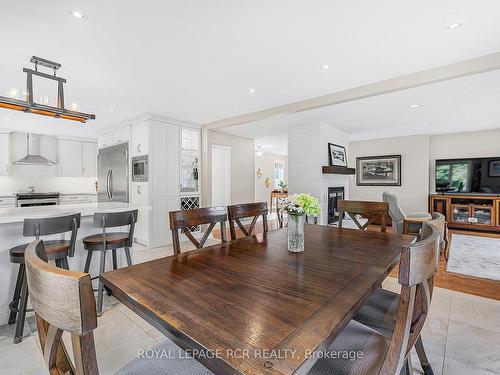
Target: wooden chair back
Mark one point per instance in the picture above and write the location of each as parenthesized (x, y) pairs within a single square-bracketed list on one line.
[(418, 265), (439, 221), (63, 301), (53, 225), (369, 210), (106, 220), (183, 220), (243, 211)]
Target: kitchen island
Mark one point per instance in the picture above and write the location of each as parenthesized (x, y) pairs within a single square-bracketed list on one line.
[(11, 234)]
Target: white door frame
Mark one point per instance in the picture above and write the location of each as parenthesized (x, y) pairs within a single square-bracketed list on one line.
[(228, 181)]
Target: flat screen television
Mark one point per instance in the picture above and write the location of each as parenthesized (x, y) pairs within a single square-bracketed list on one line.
[(478, 175)]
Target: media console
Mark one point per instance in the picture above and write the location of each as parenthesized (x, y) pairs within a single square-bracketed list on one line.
[(468, 211)]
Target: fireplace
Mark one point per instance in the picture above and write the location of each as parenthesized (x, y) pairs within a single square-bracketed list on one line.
[(334, 195)]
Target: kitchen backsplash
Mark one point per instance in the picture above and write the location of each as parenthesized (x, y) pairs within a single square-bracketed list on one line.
[(63, 185)]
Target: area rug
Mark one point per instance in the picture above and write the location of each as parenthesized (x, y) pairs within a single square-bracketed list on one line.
[(475, 256)]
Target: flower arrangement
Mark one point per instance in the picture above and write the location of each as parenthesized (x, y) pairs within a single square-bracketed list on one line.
[(300, 204)]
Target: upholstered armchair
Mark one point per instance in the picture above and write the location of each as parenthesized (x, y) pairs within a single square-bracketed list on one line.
[(398, 215)]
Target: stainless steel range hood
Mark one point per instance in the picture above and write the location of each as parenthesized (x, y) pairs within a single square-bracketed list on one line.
[(33, 152)]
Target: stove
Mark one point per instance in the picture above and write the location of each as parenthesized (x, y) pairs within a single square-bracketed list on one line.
[(37, 199)]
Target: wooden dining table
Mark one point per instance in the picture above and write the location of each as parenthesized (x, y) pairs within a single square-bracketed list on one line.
[(250, 306)]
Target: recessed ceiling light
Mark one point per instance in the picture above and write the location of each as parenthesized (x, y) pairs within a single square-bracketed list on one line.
[(111, 109), (77, 14), (425, 123), (7, 119), (325, 66), (414, 106), (453, 26), (252, 90)]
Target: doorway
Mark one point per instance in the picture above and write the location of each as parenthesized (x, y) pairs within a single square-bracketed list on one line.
[(221, 175)]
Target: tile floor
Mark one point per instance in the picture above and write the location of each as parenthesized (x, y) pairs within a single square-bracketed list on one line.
[(461, 336)]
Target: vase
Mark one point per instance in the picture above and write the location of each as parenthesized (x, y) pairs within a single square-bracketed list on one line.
[(296, 233)]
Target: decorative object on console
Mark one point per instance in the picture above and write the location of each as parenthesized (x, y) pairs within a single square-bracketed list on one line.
[(494, 168), (297, 206), (378, 170), (337, 155)]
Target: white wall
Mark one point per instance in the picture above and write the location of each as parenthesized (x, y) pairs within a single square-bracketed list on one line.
[(419, 154), (242, 167), (266, 164), (463, 145), (307, 153), (414, 151)]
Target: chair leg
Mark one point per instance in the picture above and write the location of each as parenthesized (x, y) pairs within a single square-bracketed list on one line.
[(127, 254), (422, 356), (64, 263), (17, 294), (87, 262), (18, 337), (113, 253), (102, 266)]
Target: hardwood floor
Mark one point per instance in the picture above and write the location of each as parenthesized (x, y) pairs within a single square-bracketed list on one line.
[(444, 279)]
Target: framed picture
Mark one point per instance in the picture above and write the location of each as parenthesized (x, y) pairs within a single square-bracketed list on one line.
[(494, 168), (378, 170), (337, 155)]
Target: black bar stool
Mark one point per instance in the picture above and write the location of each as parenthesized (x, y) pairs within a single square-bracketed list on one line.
[(57, 250), (109, 241)]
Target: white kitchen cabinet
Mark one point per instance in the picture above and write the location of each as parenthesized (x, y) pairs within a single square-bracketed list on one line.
[(139, 196), (139, 139), (18, 146), (189, 161), (7, 202), (89, 159), (77, 198), (70, 158), (48, 147), (115, 137), (4, 154)]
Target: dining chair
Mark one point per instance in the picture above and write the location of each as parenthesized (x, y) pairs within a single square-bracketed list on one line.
[(184, 220), (381, 308), (371, 211), (104, 241), (390, 355), (63, 301), (398, 215), (243, 211), (439, 221), (57, 250)]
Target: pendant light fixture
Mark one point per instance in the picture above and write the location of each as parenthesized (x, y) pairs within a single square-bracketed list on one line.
[(29, 104)]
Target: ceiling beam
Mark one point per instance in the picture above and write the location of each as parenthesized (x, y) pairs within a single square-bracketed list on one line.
[(443, 73)]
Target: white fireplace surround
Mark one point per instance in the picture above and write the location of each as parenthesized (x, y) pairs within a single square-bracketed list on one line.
[(307, 154)]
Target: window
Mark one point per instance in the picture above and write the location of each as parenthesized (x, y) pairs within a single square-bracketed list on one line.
[(279, 173)]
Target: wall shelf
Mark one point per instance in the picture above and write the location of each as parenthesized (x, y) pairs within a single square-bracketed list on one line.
[(335, 169)]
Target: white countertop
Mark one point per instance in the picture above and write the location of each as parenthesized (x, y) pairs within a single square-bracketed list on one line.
[(17, 214)]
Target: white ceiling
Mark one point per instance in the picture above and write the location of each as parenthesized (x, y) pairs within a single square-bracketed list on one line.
[(465, 104), (197, 60)]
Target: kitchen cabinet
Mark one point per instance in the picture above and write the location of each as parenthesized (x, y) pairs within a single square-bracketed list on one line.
[(139, 196), (189, 161), (70, 158), (4, 154), (77, 198), (48, 147), (89, 159), (115, 137), (7, 202), (139, 140)]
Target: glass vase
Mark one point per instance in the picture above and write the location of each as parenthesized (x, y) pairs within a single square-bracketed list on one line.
[(296, 233)]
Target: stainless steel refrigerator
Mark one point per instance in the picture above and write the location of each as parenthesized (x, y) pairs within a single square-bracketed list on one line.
[(113, 174)]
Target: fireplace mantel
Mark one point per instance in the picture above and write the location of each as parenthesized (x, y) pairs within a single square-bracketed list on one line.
[(335, 169)]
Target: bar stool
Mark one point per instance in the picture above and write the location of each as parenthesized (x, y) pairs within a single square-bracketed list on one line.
[(109, 241), (57, 250)]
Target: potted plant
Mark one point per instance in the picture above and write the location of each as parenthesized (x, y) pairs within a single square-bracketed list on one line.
[(281, 186), (297, 206)]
